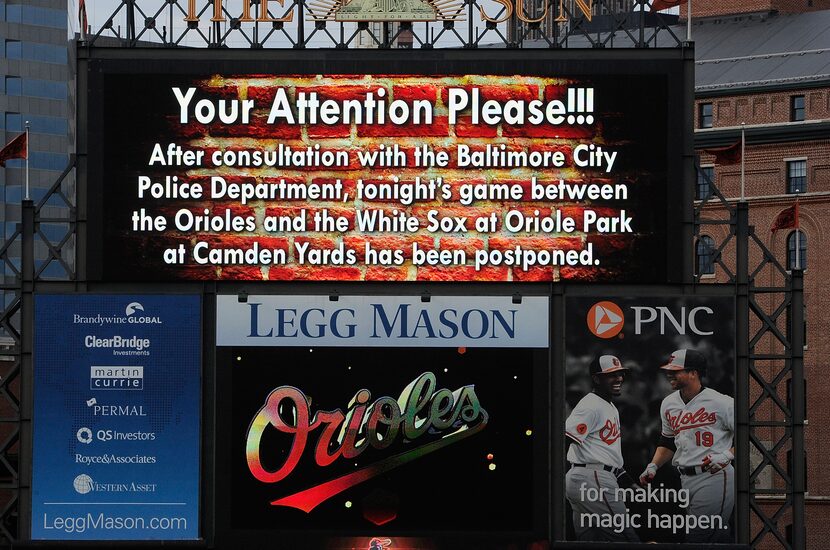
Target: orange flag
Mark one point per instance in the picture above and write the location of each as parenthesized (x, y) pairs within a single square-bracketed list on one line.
[(731, 154), (15, 149), (660, 5), (786, 219)]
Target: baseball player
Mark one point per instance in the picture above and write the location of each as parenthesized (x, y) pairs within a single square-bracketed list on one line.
[(596, 472), (697, 436)]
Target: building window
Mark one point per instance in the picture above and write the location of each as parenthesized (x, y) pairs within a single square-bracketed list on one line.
[(14, 85), (14, 122), (797, 176), (797, 250), (705, 180), (705, 115), (705, 256), (29, 51), (797, 108), (33, 15)]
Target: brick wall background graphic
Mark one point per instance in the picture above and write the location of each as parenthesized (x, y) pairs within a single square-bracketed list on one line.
[(640, 166)]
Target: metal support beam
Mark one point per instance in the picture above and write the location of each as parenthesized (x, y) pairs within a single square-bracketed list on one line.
[(27, 326), (741, 222), (797, 409)]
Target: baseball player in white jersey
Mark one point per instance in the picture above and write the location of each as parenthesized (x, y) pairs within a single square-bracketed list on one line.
[(697, 436), (596, 463)]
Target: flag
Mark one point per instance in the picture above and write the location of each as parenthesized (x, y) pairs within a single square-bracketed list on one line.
[(786, 219), (731, 154), (82, 21), (15, 149), (660, 5)]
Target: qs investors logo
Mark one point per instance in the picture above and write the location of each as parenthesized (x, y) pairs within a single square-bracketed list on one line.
[(424, 416), (605, 319), (84, 435)]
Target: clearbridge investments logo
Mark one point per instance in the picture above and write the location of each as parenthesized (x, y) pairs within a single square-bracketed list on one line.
[(133, 315)]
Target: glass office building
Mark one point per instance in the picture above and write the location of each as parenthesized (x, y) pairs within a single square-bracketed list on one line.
[(36, 86)]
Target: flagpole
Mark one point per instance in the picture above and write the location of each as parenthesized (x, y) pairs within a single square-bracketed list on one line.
[(743, 146), (797, 238), (27, 160), (689, 22)]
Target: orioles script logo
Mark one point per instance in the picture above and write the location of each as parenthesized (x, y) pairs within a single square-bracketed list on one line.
[(420, 409), (610, 432), (685, 420)]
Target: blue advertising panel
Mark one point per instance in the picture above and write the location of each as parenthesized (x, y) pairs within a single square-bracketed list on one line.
[(117, 392)]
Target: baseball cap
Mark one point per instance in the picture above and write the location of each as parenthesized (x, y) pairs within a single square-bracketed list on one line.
[(605, 364), (686, 359)]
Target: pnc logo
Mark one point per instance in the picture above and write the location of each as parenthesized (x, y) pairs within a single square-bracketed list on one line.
[(605, 319), (132, 307)]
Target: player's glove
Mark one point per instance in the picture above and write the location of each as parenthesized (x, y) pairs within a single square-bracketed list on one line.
[(625, 480), (716, 462), (648, 474)]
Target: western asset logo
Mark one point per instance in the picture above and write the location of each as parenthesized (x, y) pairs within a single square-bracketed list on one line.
[(116, 378), (84, 484), (133, 315), (606, 319)]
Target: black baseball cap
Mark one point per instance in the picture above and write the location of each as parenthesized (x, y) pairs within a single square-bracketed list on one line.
[(686, 359), (606, 364)]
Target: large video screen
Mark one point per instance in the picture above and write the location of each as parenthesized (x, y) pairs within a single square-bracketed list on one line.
[(117, 417), (650, 419), (384, 440), (462, 169)]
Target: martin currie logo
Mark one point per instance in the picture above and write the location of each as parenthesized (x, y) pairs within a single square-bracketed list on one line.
[(133, 315), (428, 418)]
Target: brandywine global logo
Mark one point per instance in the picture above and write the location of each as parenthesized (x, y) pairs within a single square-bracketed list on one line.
[(461, 416), (131, 317)]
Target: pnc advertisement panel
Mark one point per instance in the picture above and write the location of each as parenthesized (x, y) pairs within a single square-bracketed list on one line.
[(385, 440), (650, 419), (117, 395), (470, 171)]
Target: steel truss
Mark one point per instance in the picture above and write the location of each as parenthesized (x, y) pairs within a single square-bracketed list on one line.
[(544, 23), (770, 394)]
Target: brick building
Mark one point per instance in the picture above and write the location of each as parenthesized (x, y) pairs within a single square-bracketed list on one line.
[(766, 71)]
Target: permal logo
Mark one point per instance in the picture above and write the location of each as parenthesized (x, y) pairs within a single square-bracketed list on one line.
[(116, 378), (605, 319)]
